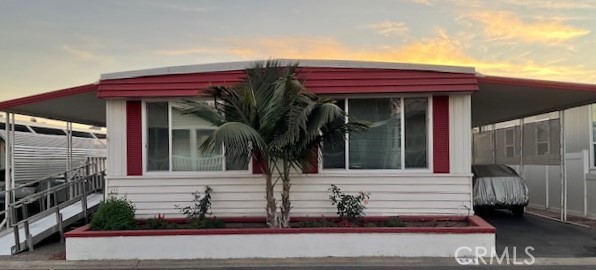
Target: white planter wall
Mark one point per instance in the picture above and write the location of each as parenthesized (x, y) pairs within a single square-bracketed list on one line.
[(274, 245)]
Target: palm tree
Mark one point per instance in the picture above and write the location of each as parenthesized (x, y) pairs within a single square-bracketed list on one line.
[(273, 119)]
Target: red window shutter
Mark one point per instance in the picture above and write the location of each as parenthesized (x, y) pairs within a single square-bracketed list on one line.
[(313, 161), (441, 134), (256, 164), (134, 135)]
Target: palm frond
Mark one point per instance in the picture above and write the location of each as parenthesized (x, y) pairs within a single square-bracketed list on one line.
[(239, 140), (202, 110)]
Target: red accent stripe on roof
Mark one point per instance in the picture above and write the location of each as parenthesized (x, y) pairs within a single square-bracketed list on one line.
[(134, 137), (47, 96), (441, 134), (318, 80)]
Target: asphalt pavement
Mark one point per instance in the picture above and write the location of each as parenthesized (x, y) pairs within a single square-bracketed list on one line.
[(549, 238)]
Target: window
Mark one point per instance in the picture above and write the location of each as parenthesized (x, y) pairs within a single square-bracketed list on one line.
[(509, 143), (397, 124), (542, 137), (168, 126)]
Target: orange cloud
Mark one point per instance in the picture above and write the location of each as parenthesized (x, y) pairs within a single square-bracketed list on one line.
[(506, 25), (441, 49)]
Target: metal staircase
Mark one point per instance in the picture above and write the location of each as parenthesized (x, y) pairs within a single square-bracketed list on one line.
[(60, 200)]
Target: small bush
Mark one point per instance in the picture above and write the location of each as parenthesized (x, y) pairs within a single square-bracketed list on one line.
[(395, 222), (349, 207), (200, 208), (159, 222), (114, 214)]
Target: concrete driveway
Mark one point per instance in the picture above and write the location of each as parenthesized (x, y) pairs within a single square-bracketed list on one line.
[(549, 238)]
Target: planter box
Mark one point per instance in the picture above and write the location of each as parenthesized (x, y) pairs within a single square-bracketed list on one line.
[(84, 244)]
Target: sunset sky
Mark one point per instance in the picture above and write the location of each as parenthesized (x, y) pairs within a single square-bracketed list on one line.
[(49, 45)]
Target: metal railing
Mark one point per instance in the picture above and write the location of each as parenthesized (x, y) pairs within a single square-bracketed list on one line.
[(73, 186)]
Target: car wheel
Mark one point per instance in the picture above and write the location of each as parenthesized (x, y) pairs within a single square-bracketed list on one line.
[(518, 211)]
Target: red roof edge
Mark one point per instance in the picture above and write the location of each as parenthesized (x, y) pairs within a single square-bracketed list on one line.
[(537, 83), (8, 104)]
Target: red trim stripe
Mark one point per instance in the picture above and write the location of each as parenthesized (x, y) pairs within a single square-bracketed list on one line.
[(134, 150), (441, 134), (47, 96)]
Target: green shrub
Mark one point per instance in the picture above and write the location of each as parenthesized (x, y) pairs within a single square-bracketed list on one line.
[(395, 222), (200, 208), (114, 214), (350, 207), (159, 222)]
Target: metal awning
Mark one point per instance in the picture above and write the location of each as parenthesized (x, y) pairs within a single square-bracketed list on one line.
[(502, 98), (78, 105)]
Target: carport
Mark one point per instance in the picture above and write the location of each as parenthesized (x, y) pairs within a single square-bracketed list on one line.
[(533, 125), (72, 105), (499, 100)]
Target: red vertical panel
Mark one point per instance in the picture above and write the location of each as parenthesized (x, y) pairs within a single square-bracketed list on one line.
[(313, 161), (257, 163), (441, 134), (134, 135)]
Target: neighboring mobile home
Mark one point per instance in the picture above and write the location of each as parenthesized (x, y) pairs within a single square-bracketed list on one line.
[(417, 163)]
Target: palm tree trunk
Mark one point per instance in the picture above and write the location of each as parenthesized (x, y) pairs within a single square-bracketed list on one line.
[(272, 217), (285, 197)]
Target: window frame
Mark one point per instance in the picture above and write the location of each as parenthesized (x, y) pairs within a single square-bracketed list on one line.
[(512, 145), (403, 169), (547, 138), (170, 171)]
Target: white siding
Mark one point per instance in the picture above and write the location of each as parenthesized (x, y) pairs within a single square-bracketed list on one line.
[(577, 129), (116, 133), (460, 133), (243, 195)]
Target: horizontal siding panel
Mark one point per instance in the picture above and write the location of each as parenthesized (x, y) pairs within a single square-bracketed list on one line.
[(244, 196), (310, 188), (259, 180), (296, 196)]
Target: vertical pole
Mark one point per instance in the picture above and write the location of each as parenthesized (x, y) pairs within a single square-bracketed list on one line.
[(59, 223), (563, 210), (28, 237), (7, 158), (68, 158), (522, 171), (494, 141), (17, 240), (12, 140)]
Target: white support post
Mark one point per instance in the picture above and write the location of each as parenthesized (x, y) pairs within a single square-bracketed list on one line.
[(67, 175), (563, 216), (7, 163), (12, 140), (494, 142), (521, 146)]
